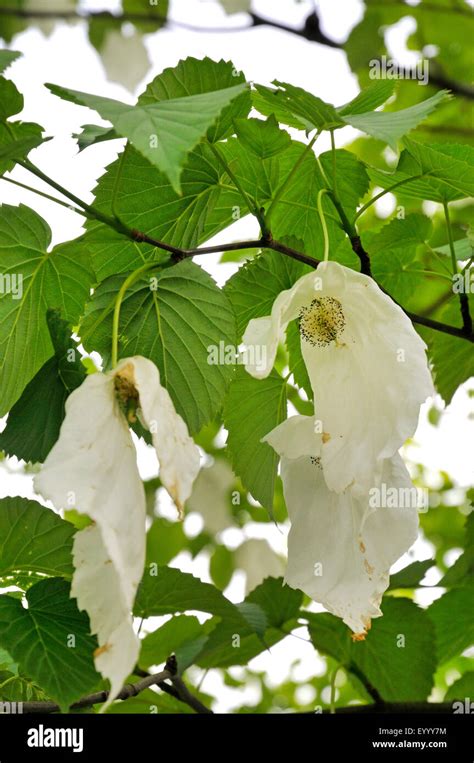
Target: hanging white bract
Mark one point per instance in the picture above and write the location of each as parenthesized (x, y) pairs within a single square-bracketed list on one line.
[(93, 469), (366, 363), (341, 546)]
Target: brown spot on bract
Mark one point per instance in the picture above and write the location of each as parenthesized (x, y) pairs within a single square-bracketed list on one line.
[(361, 545), (173, 492), (359, 636), (102, 649), (368, 568), (325, 437)]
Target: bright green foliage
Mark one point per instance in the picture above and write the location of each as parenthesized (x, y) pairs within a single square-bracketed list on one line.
[(253, 408), (175, 317), (397, 660), (52, 617), (35, 419), (453, 634), (48, 551), (164, 130), (16, 138), (411, 576), (56, 279), (453, 360), (193, 159)]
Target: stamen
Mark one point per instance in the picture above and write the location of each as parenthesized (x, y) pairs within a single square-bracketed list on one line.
[(322, 322), (127, 395)]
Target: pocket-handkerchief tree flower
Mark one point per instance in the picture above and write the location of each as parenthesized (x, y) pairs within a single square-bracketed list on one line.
[(93, 469), (366, 364), (341, 546), (297, 384)]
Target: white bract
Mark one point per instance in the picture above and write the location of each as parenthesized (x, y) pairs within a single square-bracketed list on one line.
[(93, 469), (366, 363), (341, 546)]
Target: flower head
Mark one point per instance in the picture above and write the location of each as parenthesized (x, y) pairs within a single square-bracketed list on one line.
[(93, 469), (366, 363), (340, 546)]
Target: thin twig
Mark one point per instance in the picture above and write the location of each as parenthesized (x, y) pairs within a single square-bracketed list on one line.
[(310, 31), (185, 696), (129, 690), (178, 689)]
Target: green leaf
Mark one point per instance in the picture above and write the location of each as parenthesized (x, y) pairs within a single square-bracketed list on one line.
[(442, 172), (463, 249), (164, 541), (164, 131), (295, 359), (262, 138), (173, 319), (171, 591), (462, 571), (7, 663), (7, 57), (92, 134), (16, 141), (35, 420), (296, 213), (228, 645), (410, 576), (11, 99), (149, 701), (18, 689), (462, 688), (330, 636), (453, 618), (397, 656), (167, 640), (254, 615), (351, 178), (295, 107), (39, 279), (406, 234), (279, 602), (39, 637), (254, 288), (16, 138), (393, 250), (195, 76), (452, 358), (450, 164), (390, 126), (156, 13), (252, 409), (279, 605), (145, 200), (221, 566), (33, 539), (369, 98)]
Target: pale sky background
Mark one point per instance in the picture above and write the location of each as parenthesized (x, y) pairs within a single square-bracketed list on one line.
[(66, 58)]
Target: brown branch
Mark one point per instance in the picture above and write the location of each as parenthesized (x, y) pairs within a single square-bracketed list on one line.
[(119, 18), (129, 690), (439, 79), (185, 696), (362, 255), (179, 690), (267, 243), (311, 30)]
